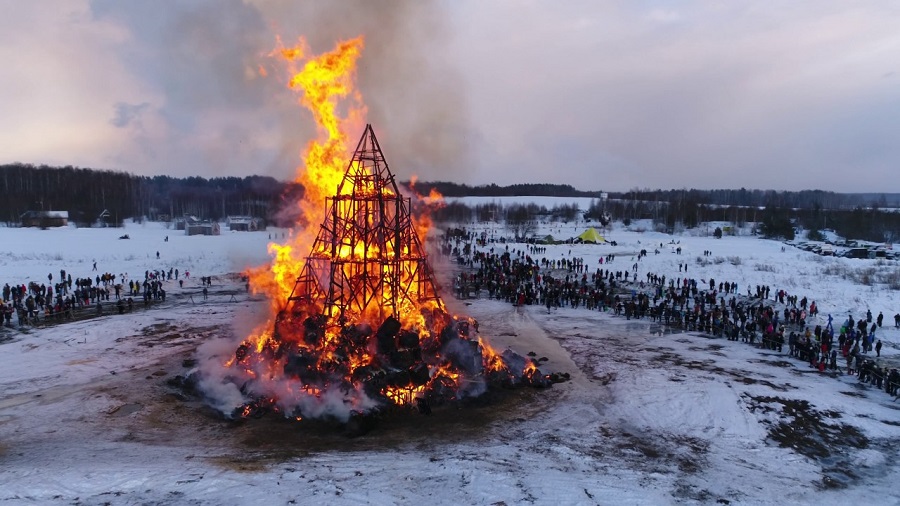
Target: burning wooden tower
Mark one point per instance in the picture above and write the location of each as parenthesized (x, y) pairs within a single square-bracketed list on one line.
[(367, 262), (364, 326)]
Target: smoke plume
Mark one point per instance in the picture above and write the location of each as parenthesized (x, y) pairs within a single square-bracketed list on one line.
[(217, 113)]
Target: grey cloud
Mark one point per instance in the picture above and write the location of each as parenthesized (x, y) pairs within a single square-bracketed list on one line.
[(731, 95), (125, 114)]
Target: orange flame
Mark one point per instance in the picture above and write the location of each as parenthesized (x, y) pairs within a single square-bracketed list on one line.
[(322, 83)]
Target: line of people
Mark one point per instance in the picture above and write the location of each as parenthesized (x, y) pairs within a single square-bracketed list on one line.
[(60, 300), (515, 277)]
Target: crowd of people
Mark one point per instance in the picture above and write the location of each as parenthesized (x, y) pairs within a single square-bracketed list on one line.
[(772, 319), (60, 299)]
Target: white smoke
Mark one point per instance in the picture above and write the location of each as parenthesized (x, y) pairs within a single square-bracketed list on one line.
[(215, 380)]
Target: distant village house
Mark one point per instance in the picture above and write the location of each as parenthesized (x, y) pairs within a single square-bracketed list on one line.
[(245, 223), (193, 225), (45, 219), (202, 228)]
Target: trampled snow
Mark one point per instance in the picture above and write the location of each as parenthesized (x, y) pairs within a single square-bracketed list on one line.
[(651, 415)]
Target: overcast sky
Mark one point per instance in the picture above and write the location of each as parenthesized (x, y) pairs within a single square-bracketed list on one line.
[(608, 95)]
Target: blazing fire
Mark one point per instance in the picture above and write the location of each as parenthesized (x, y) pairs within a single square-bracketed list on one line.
[(358, 324)]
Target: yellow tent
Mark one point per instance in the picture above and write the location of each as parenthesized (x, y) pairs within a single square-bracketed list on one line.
[(591, 236)]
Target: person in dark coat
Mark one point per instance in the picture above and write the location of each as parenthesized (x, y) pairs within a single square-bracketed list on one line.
[(878, 348)]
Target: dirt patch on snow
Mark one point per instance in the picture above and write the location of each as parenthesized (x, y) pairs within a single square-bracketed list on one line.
[(815, 434), (666, 358)]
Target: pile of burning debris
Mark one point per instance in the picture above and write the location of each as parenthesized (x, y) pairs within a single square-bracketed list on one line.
[(323, 356), (388, 367)]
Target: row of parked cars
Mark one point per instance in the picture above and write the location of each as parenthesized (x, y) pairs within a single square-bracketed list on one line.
[(848, 249)]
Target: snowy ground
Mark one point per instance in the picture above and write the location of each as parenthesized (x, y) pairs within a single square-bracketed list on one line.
[(88, 414)]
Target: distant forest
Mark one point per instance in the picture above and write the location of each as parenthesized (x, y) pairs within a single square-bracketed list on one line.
[(742, 197), (87, 193), (865, 216), (91, 196), (492, 190)]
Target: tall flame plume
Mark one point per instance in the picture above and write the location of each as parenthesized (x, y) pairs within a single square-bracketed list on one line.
[(324, 85)]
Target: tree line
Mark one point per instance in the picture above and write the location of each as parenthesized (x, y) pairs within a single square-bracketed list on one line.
[(449, 189), (804, 199), (864, 223), (93, 196)]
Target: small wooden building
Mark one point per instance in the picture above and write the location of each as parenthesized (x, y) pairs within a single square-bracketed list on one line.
[(202, 228), (185, 221), (245, 223), (45, 219)]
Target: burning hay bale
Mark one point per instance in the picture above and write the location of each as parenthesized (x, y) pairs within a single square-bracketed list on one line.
[(364, 328)]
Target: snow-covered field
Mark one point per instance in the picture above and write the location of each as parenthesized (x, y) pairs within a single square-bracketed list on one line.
[(88, 414)]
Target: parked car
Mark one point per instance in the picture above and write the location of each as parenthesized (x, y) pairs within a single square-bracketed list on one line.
[(856, 253)]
